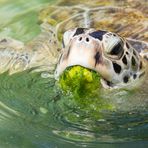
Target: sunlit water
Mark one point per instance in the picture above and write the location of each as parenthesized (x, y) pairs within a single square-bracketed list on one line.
[(34, 112), (19, 19)]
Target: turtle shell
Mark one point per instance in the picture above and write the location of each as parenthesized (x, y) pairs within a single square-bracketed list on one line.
[(128, 18)]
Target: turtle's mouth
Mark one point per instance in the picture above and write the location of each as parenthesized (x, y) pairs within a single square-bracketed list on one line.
[(103, 81), (106, 84), (79, 79)]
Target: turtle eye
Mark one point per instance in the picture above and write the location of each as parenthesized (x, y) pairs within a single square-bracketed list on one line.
[(113, 45), (117, 49)]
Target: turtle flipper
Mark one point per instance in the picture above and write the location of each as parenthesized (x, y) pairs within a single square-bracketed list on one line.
[(44, 49), (12, 58), (41, 53)]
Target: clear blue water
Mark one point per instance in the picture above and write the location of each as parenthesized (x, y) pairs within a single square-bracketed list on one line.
[(34, 113)]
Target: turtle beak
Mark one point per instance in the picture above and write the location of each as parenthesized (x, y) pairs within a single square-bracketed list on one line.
[(82, 50)]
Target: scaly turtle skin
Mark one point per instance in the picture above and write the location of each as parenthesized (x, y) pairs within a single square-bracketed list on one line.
[(105, 52), (128, 19)]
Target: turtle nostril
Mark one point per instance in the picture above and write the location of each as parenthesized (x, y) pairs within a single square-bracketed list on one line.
[(87, 39), (80, 38)]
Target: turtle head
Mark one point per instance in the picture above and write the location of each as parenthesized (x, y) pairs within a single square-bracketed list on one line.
[(107, 53)]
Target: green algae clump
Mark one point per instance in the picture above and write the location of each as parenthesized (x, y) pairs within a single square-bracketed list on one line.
[(79, 80), (83, 90)]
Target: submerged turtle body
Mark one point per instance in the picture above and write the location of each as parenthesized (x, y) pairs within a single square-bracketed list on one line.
[(41, 53), (128, 19)]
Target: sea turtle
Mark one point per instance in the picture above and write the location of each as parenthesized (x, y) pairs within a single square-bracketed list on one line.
[(118, 63), (121, 57)]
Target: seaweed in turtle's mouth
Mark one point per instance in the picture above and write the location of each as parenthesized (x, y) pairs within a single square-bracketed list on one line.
[(79, 80), (108, 83)]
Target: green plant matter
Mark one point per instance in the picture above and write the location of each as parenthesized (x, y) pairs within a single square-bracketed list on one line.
[(79, 80)]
